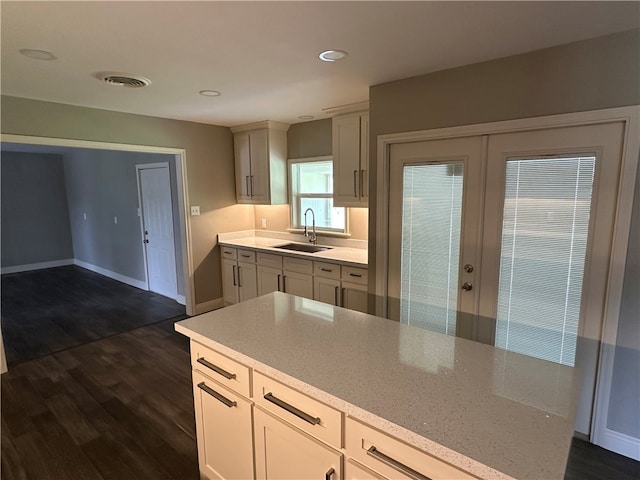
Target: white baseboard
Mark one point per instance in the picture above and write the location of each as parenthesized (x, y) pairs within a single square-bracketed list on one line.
[(209, 306), (115, 276), (620, 443), (181, 299), (37, 266)]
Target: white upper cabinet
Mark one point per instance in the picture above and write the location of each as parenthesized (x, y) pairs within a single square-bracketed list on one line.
[(261, 163), (351, 160)]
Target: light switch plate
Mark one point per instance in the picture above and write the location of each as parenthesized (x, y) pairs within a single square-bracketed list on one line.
[(264, 222), (195, 210)]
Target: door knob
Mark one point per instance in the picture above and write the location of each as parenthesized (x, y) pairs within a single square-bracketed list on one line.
[(468, 268), (466, 286)]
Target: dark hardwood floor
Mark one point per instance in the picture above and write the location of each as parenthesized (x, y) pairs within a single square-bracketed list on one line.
[(118, 408), (46, 311)]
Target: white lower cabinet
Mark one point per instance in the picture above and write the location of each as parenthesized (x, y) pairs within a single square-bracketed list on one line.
[(224, 430), (327, 290), (284, 452), (295, 283), (393, 459), (239, 277), (355, 297)]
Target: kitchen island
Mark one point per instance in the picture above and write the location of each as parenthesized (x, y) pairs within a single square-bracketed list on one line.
[(488, 412)]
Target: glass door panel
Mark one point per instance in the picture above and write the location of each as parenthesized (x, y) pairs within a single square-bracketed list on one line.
[(544, 239), (431, 223)]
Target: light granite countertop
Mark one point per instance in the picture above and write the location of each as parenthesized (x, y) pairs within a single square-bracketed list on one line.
[(339, 253), (493, 413)]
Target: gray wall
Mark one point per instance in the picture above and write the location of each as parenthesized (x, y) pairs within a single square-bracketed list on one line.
[(588, 75), (103, 185), (309, 139), (35, 219), (210, 167)]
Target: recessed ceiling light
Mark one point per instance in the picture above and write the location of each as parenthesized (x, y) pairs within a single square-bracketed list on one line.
[(37, 54), (306, 117), (332, 55), (210, 93)]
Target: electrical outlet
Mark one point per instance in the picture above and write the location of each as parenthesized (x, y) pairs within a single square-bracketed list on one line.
[(195, 210), (264, 222)]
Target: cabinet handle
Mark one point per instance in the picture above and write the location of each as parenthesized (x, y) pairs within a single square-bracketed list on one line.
[(391, 462), (291, 409), (229, 403), (284, 283), (234, 276), (215, 368), (279, 282), (362, 194), (227, 253), (251, 183), (336, 297), (359, 275), (344, 289), (244, 255), (329, 474), (355, 183), (239, 284), (326, 269), (246, 181)]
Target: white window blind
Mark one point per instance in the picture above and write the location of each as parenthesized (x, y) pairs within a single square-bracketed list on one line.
[(544, 241), (431, 223)]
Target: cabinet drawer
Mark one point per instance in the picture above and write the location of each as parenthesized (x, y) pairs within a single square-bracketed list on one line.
[(269, 260), (326, 270), (393, 458), (355, 275), (309, 415), (228, 252), (222, 369), (247, 256), (299, 265)]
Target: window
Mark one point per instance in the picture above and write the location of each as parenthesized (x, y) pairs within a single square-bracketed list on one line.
[(311, 186)]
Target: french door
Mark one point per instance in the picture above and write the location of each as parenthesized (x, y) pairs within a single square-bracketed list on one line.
[(506, 239)]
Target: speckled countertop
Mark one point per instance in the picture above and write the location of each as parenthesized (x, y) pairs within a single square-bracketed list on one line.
[(345, 255), (493, 413)]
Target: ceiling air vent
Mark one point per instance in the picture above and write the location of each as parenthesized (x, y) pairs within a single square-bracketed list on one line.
[(124, 80)]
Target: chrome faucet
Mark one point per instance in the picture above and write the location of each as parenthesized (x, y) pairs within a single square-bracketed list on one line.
[(314, 237)]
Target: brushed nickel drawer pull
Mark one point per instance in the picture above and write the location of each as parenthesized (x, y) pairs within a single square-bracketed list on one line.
[(329, 474), (291, 409), (279, 282), (326, 269), (362, 194), (234, 276), (335, 295), (215, 368), (245, 255), (359, 275), (390, 462), (221, 398)]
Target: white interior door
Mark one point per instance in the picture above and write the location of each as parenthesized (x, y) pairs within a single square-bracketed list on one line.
[(157, 223), (435, 207)]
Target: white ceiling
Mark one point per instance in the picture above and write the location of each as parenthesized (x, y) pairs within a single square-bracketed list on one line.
[(263, 56)]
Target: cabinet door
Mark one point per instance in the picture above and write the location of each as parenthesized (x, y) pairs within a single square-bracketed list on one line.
[(269, 280), (284, 452), (355, 471), (364, 159), (223, 427), (346, 161), (229, 281), (327, 290), (300, 284), (355, 297), (259, 177), (247, 281), (243, 167)]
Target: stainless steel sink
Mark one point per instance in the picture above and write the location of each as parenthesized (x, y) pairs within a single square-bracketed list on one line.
[(301, 247)]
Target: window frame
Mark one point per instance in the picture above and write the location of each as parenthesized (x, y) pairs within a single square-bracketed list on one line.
[(295, 203)]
